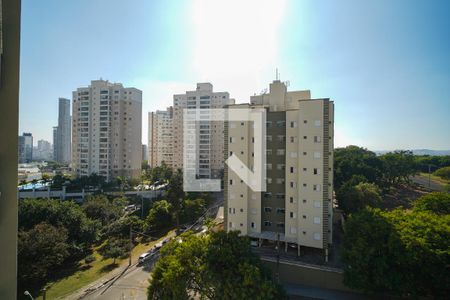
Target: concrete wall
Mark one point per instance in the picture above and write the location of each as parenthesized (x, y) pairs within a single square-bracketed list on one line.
[(326, 278), (9, 117)]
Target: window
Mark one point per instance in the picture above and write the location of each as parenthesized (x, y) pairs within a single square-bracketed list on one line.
[(232, 125), (280, 180), (317, 155), (267, 195), (292, 215), (241, 210), (316, 139), (293, 154), (280, 152), (268, 138), (280, 210), (231, 153), (267, 209), (316, 171), (253, 211), (281, 124), (231, 181), (280, 195), (267, 223), (304, 200), (269, 152), (293, 230), (280, 224), (293, 170), (317, 123), (293, 124), (317, 204), (269, 166), (293, 139), (269, 180), (231, 139), (304, 216), (305, 153), (253, 225), (293, 184), (291, 200), (305, 137), (316, 187), (305, 169), (317, 236), (316, 220), (280, 166), (268, 124), (281, 138)]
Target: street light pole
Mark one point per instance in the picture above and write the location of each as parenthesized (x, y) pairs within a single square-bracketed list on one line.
[(429, 176), (131, 246)]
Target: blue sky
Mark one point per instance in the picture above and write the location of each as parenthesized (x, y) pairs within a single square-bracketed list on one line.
[(386, 64)]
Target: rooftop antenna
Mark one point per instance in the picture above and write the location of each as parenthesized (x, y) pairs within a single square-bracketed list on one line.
[(276, 74)]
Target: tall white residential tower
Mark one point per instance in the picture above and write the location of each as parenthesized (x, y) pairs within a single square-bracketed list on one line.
[(107, 121), (296, 208)]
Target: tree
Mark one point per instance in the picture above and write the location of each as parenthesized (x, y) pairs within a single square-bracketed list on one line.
[(115, 248), (175, 194), (398, 166), (399, 252), (40, 250), (439, 203), (101, 209), (353, 160), (192, 209), (352, 198), (159, 217), (81, 230), (444, 173), (216, 266)]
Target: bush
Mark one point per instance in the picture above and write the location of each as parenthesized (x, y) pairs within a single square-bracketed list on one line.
[(89, 259), (444, 173)]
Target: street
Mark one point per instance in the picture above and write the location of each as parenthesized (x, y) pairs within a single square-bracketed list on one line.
[(432, 185), (132, 284)]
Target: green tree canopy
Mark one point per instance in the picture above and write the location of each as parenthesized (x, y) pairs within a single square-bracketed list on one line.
[(444, 173), (160, 216), (115, 248), (82, 231), (352, 198), (436, 202), (216, 266), (100, 208), (40, 250), (398, 252)]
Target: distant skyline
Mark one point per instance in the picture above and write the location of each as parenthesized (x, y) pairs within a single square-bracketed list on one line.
[(386, 64)]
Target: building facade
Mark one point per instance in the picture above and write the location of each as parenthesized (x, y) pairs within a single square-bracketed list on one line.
[(25, 148), (62, 136), (210, 134), (106, 126), (43, 151), (296, 207), (160, 138)]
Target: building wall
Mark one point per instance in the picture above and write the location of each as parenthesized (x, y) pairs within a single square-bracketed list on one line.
[(202, 98), (63, 132), (298, 201), (9, 120), (25, 148), (107, 130), (160, 137)]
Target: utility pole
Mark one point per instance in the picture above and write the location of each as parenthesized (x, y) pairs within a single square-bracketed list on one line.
[(131, 246), (44, 292), (429, 176), (278, 258)]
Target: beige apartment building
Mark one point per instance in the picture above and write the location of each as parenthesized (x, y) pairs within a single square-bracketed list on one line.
[(160, 137), (106, 130), (296, 207), (209, 143)]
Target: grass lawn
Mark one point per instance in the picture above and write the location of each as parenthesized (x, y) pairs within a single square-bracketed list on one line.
[(83, 275)]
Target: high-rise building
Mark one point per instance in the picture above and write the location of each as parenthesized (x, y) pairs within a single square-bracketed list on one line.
[(43, 151), (25, 148), (106, 126), (160, 137), (296, 207), (209, 144), (62, 138), (144, 152)]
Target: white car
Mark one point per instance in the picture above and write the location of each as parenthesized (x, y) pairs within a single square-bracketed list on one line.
[(145, 256)]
